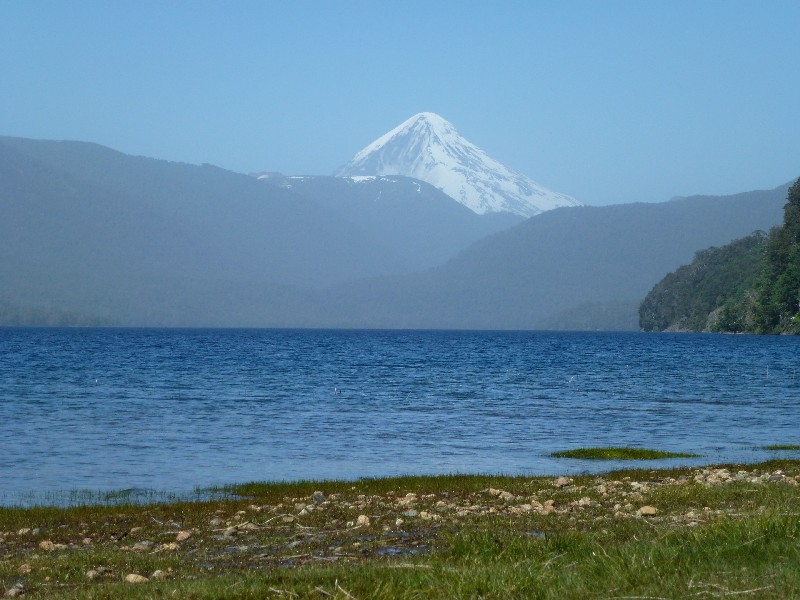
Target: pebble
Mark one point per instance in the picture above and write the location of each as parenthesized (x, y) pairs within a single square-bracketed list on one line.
[(143, 546), (95, 573), (562, 482), (363, 520), (317, 497), (647, 511), (183, 536), (136, 578), (47, 546), (24, 569), (15, 591), (158, 574)]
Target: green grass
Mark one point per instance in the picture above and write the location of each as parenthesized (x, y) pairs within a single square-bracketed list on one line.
[(782, 447), (717, 532), (619, 454)]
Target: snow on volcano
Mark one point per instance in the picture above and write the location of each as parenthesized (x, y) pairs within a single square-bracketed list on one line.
[(429, 148)]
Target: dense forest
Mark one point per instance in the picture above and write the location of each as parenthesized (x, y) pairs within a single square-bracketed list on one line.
[(751, 285)]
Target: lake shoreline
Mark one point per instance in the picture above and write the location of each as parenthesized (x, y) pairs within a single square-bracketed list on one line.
[(661, 533)]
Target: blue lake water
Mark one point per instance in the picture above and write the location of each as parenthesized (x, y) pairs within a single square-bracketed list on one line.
[(106, 409)]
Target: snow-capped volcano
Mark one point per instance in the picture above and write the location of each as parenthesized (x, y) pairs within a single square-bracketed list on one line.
[(429, 148)]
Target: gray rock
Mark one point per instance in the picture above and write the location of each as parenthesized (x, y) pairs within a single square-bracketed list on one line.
[(15, 591), (317, 497), (98, 572), (143, 546)]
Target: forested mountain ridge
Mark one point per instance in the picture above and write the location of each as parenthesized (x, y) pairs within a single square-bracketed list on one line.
[(91, 235), (751, 285), (596, 260)]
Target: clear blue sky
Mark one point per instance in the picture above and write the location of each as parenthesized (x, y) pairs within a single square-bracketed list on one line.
[(609, 101)]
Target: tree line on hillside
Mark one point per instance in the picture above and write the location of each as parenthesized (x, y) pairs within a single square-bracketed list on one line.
[(751, 285), (33, 316)]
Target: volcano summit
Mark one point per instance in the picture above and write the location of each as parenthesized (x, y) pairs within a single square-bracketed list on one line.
[(429, 148)]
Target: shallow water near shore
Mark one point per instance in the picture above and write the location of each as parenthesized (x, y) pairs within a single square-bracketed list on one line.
[(170, 410)]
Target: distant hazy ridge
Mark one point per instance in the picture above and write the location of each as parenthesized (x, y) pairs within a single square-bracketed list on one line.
[(100, 236)]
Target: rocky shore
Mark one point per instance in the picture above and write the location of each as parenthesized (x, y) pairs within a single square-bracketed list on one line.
[(46, 550)]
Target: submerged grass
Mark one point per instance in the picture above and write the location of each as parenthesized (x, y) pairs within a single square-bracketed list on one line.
[(692, 532), (620, 453), (782, 447)]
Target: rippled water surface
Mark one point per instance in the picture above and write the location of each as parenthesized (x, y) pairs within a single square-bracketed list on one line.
[(174, 409)]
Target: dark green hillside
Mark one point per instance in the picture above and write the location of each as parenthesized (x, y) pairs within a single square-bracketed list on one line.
[(686, 298), (777, 309), (751, 285)]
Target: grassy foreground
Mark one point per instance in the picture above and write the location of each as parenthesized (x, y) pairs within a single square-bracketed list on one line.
[(692, 533)]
